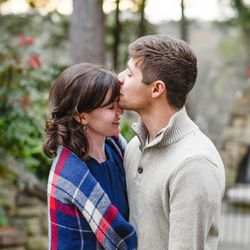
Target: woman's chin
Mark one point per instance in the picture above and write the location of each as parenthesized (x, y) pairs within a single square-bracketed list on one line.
[(115, 131)]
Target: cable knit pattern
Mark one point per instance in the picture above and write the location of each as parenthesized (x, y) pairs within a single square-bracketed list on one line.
[(179, 126)]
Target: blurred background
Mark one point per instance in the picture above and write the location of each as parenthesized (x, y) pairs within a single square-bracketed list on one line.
[(39, 38)]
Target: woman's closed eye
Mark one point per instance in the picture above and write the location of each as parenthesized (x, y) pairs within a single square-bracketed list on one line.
[(111, 106)]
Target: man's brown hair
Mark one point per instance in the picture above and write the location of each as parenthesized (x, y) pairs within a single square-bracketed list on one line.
[(170, 60)]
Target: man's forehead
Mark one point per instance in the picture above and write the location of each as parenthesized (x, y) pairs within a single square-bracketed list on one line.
[(133, 63)]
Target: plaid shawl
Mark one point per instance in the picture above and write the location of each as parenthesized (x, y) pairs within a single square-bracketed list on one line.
[(71, 186)]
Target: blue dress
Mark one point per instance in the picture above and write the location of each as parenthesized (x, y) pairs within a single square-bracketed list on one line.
[(111, 176)]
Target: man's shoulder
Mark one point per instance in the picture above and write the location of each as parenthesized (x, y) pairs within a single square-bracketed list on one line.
[(197, 144), (201, 172), (198, 154)]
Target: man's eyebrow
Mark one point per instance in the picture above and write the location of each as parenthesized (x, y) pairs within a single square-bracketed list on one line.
[(138, 61), (136, 64), (129, 68)]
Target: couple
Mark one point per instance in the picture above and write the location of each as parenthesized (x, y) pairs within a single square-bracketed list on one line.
[(174, 175)]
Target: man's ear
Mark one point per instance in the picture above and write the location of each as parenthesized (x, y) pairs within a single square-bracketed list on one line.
[(81, 118), (158, 88)]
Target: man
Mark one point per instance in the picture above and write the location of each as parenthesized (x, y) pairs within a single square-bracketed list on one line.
[(175, 176)]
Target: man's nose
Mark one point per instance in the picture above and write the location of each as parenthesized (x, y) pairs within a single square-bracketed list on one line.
[(121, 78), (119, 110)]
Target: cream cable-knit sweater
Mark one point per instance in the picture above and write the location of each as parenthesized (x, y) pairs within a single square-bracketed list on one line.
[(175, 187)]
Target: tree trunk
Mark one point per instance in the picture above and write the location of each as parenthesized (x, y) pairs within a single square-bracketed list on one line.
[(87, 32), (117, 35), (142, 18), (184, 35)]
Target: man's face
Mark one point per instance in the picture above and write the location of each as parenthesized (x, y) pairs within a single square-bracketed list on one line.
[(135, 95)]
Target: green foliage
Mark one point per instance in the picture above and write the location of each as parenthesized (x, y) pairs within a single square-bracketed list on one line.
[(229, 47), (243, 14), (30, 45), (24, 84), (126, 130), (242, 17), (3, 218), (51, 31)]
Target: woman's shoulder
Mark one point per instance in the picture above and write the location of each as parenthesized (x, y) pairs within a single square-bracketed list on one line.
[(68, 165), (118, 142)]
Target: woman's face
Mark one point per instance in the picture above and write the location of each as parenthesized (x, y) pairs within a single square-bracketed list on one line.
[(104, 121)]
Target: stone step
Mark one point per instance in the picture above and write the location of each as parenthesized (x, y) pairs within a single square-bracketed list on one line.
[(10, 236)]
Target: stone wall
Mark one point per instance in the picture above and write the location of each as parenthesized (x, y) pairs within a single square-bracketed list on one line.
[(236, 137), (23, 198)]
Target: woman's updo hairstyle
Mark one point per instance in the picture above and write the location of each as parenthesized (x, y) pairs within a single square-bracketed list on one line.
[(80, 88)]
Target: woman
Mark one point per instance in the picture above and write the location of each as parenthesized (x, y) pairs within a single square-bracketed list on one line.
[(86, 186)]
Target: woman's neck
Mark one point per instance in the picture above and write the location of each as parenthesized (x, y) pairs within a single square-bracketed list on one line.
[(97, 147)]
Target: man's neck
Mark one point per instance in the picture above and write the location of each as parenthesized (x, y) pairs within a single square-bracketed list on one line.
[(156, 119)]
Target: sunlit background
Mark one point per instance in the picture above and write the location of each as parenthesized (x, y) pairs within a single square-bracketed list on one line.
[(156, 10), (40, 38)]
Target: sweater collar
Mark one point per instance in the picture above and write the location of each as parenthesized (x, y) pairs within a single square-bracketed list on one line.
[(179, 126)]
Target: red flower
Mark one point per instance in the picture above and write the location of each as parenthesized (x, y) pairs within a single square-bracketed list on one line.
[(34, 61), (25, 101), (23, 41), (248, 72)]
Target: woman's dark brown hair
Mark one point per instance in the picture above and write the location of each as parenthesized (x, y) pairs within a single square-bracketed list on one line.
[(80, 88)]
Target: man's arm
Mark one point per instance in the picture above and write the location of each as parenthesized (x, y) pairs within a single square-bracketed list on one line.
[(195, 196)]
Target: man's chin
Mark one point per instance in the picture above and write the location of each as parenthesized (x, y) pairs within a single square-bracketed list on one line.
[(123, 105)]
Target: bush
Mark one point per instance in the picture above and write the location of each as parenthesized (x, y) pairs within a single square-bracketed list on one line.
[(24, 84), (126, 129)]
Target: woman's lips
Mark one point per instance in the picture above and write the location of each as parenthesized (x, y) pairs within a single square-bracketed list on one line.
[(117, 122)]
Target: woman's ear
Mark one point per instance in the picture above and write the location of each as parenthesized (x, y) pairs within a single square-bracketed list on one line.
[(81, 118), (158, 88)]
